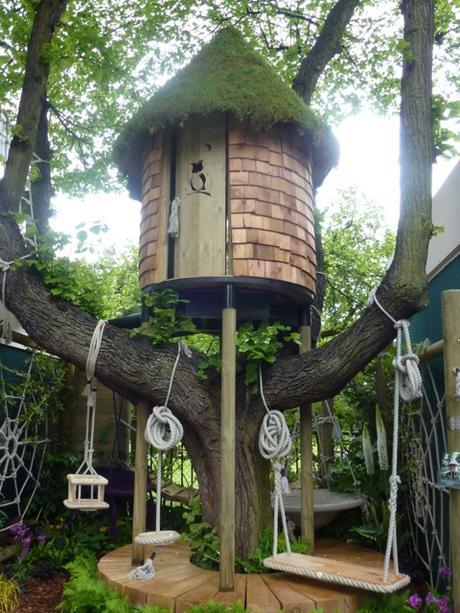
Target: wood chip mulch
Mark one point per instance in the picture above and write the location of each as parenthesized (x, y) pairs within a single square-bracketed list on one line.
[(42, 595)]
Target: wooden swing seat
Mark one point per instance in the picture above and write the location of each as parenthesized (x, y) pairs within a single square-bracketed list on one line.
[(157, 537), (337, 571), (94, 501)]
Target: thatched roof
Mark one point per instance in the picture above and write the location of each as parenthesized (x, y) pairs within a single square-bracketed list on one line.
[(227, 75)]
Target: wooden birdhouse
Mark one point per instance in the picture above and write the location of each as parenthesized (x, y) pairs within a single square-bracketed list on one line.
[(225, 159)]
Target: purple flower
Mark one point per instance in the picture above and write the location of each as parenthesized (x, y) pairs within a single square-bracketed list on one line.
[(444, 571), (42, 538), (443, 604), (430, 598), (414, 601), (19, 531)]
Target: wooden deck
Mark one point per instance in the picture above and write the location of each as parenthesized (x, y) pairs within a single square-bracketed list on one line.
[(178, 583)]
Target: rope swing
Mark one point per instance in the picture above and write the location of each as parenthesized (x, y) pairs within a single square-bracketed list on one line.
[(87, 488), (163, 431), (273, 445)]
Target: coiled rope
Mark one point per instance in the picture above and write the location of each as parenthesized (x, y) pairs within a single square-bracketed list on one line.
[(274, 445), (408, 387), (164, 431)]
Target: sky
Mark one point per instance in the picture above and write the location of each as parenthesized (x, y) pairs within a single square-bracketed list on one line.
[(368, 160)]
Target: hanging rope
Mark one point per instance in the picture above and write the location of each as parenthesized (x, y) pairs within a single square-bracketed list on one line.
[(274, 445), (164, 431), (173, 224), (408, 387), (86, 467), (457, 383)]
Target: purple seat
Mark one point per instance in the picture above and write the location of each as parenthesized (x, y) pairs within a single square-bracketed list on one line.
[(120, 488)]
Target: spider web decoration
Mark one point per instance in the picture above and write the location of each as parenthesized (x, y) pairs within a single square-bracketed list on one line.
[(428, 502), (23, 441)]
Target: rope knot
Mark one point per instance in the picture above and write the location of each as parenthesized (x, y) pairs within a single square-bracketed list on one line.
[(402, 324), (163, 430), (274, 437)]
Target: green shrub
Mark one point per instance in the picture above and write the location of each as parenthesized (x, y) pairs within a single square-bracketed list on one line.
[(9, 594)]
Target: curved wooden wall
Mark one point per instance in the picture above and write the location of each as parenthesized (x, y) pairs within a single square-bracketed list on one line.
[(271, 205), (153, 243)]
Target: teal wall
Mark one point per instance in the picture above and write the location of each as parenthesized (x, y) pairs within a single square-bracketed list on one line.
[(428, 323)]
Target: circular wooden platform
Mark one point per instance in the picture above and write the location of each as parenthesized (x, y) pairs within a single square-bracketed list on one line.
[(178, 583)]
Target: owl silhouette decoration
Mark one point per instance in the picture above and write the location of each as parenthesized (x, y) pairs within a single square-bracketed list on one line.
[(198, 178)]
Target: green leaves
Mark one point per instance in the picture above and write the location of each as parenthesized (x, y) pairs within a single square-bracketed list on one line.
[(165, 319), (357, 246)]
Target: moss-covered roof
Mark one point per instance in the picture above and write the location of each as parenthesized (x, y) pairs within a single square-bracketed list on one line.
[(227, 75)]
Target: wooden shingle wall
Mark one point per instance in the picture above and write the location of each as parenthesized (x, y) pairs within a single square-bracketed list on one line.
[(153, 235), (271, 205)]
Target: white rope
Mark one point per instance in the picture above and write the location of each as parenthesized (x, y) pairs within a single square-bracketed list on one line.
[(144, 572), (164, 431), (457, 383), (427, 500), (408, 387), (274, 445), (86, 467), (173, 225), (22, 448)]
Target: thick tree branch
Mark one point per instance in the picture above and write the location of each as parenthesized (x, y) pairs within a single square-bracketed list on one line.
[(313, 376), (41, 188), (37, 67), (327, 45), (403, 292)]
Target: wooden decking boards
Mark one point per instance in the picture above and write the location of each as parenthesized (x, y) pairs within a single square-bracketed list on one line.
[(179, 584)]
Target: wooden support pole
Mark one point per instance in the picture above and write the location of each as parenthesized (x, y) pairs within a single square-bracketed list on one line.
[(306, 456), (227, 446), (140, 481), (451, 334)]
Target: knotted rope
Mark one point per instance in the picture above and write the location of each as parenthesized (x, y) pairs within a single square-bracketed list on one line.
[(274, 445), (173, 224), (457, 383), (408, 387), (144, 572), (164, 431)]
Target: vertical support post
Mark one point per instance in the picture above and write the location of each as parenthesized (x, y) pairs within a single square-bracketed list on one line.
[(140, 481), (227, 444), (451, 334), (306, 448)]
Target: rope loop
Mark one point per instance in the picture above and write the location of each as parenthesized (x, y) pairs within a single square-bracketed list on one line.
[(274, 436), (163, 430)]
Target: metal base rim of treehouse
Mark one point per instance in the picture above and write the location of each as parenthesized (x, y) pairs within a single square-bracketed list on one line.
[(256, 299), (178, 583)]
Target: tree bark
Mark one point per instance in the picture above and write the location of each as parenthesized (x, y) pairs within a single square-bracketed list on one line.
[(41, 188), (37, 68), (327, 45)]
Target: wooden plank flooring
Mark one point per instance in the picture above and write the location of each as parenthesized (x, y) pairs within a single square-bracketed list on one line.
[(178, 584)]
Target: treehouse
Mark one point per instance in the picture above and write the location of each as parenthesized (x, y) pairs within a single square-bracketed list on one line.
[(225, 159)]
